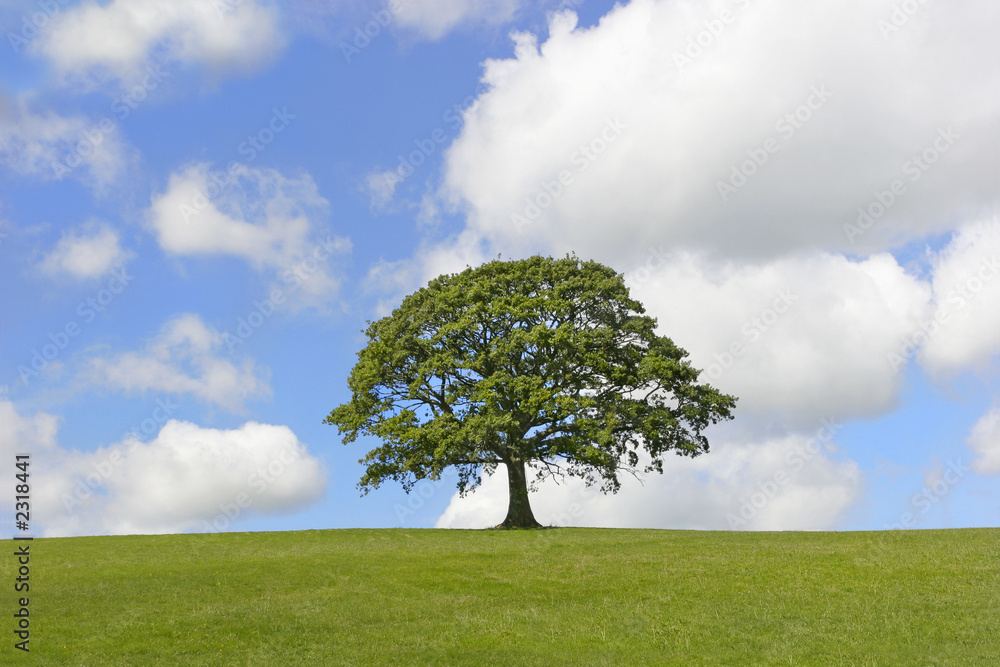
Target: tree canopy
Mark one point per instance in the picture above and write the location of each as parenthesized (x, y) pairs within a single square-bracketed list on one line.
[(541, 362)]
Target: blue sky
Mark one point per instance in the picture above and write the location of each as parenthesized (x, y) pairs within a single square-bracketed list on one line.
[(201, 206)]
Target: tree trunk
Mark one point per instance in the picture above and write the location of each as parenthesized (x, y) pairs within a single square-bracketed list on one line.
[(519, 509)]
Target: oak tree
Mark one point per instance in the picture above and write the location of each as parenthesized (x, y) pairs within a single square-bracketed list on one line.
[(545, 366)]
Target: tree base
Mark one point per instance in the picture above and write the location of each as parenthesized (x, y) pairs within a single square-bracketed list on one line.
[(510, 524)]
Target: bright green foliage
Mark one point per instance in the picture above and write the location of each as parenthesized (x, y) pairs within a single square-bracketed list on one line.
[(537, 361)]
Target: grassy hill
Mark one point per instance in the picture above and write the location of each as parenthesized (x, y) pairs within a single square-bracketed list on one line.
[(552, 597)]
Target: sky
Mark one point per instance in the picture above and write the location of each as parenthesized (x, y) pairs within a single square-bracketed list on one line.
[(203, 204)]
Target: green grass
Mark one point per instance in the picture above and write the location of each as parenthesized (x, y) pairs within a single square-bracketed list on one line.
[(552, 597)]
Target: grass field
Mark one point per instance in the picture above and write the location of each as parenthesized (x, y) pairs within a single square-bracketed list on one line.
[(563, 596)]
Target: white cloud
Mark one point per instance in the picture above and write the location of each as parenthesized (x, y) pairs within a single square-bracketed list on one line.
[(258, 215), (34, 435), (118, 40), (965, 330), (87, 253), (660, 136), (381, 186), (186, 478), (181, 479), (432, 19), (984, 440), (801, 337), (788, 483), (184, 358), (49, 146), (23, 434)]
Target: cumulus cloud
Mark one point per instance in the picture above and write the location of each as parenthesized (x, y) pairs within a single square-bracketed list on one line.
[(184, 358), (789, 483), (224, 475), (89, 252), (609, 138), (964, 331), (984, 440), (799, 338), (186, 478), (19, 434), (93, 42), (47, 145), (259, 215), (34, 435)]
